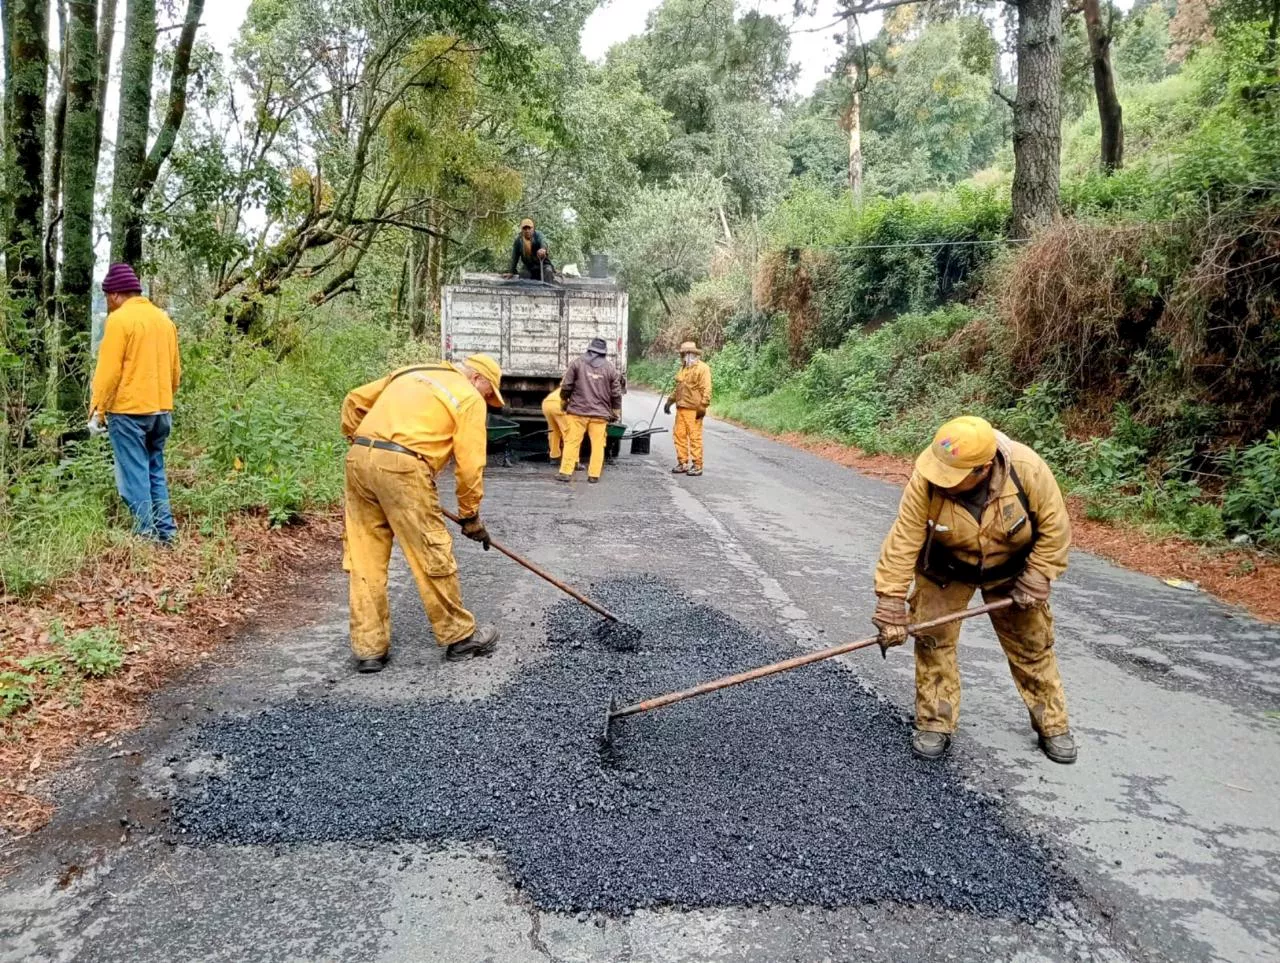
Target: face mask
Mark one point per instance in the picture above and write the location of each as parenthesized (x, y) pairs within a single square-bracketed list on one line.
[(689, 359)]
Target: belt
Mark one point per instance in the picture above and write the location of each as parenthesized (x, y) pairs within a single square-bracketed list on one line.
[(387, 446)]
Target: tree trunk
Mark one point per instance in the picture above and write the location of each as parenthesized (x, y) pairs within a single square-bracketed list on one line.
[(53, 181), (855, 135), (133, 123), (1037, 116), (27, 23), (1104, 88), (167, 136), (77, 224), (106, 37)]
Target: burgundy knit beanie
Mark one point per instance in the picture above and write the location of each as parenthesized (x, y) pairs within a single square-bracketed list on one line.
[(121, 279)]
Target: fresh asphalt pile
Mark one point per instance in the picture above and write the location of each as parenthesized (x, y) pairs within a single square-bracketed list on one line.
[(798, 789)]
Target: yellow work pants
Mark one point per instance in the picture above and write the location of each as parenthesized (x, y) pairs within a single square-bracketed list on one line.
[(1027, 640), (688, 437), (392, 495), (557, 428), (595, 429)]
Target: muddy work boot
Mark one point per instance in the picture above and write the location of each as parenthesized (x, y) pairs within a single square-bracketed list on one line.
[(483, 641), (1060, 748), (930, 745), (680, 469), (373, 665), (564, 478), (694, 471)]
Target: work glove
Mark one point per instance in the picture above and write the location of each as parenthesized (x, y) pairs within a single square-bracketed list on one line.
[(474, 529), (1030, 590), (96, 427), (666, 409), (617, 414), (702, 414), (891, 620)]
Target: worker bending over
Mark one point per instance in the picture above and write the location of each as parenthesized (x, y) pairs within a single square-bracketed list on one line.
[(557, 423), (691, 397), (592, 393), (403, 430), (980, 512)]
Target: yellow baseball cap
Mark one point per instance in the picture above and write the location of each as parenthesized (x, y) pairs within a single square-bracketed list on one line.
[(492, 374), (960, 446), (527, 222)]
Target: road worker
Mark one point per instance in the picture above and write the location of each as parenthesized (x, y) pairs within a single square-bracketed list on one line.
[(529, 256), (557, 424), (980, 512), (592, 393), (403, 429), (691, 397)]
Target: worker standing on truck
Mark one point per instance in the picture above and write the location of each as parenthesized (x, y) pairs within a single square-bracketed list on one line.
[(557, 424), (592, 393), (691, 397), (980, 512), (529, 255), (403, 429)]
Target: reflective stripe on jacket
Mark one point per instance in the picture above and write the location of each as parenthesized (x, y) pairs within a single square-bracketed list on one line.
[(693, 387), (138, 366), (1005, 530), (432, 410)]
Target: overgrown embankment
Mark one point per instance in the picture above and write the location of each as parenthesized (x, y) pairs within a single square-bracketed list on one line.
[(1135, 344)]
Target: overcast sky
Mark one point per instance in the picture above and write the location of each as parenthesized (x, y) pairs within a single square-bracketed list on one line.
[(616, 20)]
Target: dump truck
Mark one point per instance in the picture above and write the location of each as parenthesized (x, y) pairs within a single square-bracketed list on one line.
[(534, 330)]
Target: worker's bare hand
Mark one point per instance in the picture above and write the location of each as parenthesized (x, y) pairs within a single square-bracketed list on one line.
[(616, 413), (542, 253), (474, 529)]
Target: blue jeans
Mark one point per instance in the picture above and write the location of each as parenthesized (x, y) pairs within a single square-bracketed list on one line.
[(138, 443)]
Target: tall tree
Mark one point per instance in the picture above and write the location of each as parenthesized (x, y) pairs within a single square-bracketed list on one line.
[(26, 35), (81, 169), (1110, 115), (133, 123), (106, 38), (1037, 116)]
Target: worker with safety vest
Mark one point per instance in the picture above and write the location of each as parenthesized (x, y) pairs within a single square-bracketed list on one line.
[(691, 398), (981, 512), (403, 430)]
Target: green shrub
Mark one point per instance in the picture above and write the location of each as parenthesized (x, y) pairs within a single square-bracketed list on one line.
[(93, 652), (15, 692), (1251, 503)]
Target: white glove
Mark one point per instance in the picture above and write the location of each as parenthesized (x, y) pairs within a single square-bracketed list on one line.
[(96, 427)]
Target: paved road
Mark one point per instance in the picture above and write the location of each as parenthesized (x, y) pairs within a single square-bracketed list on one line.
[(1169, 825)]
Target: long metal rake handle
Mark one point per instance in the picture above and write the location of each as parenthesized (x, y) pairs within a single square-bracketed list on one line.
[(540, 573), (766, 670)]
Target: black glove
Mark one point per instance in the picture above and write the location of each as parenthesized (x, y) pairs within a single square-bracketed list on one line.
[(474, 529), (701, 415), (666, 409)]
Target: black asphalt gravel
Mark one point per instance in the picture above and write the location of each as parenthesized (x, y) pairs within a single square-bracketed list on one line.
[(799, 789)]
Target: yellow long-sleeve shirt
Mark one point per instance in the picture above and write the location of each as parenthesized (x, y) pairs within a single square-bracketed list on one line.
[(1003, 531), (432, 410), (138, 366), (693, 387)]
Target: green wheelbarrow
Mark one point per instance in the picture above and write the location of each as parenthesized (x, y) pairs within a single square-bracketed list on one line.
[(501, 433)]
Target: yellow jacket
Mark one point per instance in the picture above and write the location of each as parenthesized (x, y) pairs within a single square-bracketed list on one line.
[(432, 410), (138, 364), (693, 387), (1004, 531)]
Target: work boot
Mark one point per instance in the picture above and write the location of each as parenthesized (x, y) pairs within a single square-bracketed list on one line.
[(680, 469), (373, 665), (1060, 748), (564, 478), (695, 470), (593, 480), (930, 745), (483, 641)]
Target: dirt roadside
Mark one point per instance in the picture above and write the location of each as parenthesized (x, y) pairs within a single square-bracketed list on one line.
[(172, 611)]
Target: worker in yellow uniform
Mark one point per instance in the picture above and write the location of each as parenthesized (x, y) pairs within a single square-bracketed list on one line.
[(592, 393), (691, 397), (981, 512), (557, 424), (403, 429)]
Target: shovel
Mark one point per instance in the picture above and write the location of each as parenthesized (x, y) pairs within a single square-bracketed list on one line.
[(671, 698), (595, 607)]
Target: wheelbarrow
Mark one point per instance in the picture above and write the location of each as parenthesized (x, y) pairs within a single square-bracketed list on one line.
[(501, 433)]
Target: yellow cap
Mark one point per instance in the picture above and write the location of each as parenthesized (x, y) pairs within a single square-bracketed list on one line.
[(527, 222), (492, 374), (960, 446)]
